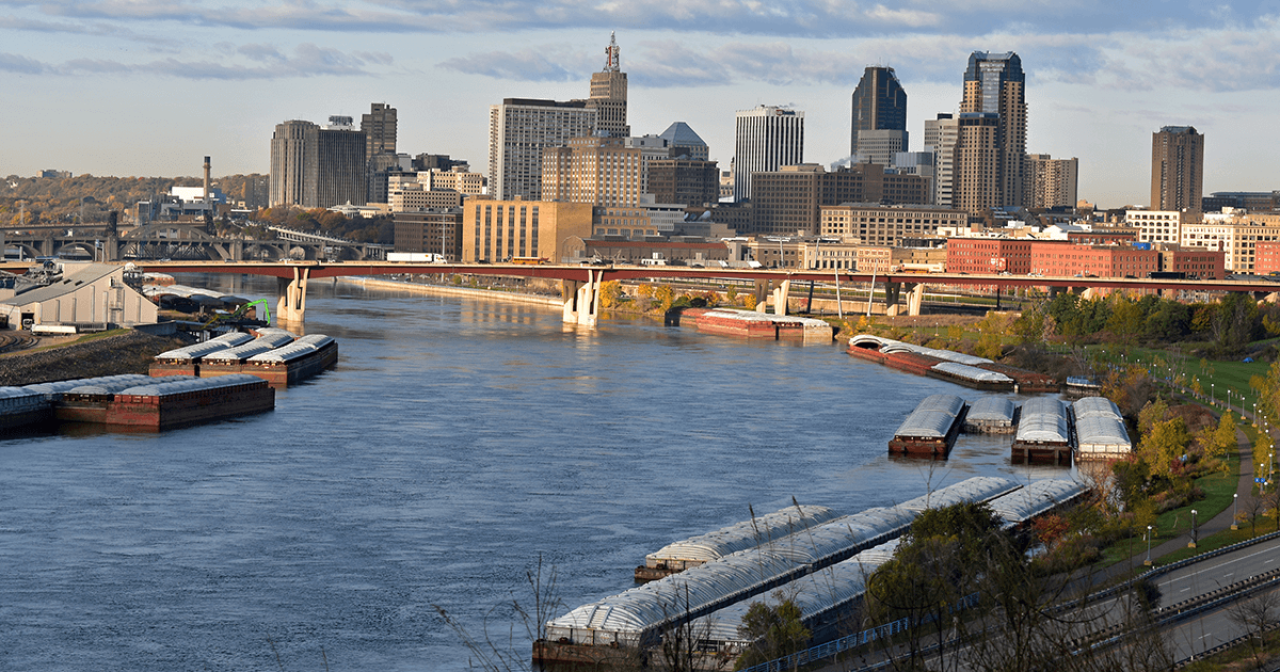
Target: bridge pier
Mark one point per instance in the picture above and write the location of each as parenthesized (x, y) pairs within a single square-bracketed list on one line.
[(582, 299), (780, 295), (293, 300), (915, 301)]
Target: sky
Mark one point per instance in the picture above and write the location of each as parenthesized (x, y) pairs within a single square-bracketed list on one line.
[(150, 87)]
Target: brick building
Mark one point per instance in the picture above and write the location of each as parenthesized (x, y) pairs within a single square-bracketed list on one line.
[(1064, 259), (989, 255)]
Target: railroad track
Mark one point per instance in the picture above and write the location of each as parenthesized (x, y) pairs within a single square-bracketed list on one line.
[(15, 342)]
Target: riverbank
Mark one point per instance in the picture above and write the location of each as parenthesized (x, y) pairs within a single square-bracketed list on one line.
[(129, 352)]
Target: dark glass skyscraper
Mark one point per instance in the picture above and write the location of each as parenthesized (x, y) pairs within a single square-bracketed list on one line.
[(879, 104)]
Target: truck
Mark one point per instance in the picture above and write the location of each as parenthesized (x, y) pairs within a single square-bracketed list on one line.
[(416, 257)]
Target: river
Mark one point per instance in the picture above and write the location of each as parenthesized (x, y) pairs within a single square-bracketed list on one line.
[(455, 443)]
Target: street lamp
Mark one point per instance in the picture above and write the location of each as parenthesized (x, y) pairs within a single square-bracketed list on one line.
[(1148, 562), (1235, 502), (1195, 536), (1213, 397)]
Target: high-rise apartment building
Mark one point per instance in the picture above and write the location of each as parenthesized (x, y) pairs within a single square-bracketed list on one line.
[(880, 110), (609, 94), (519, 130), (994, 84), (977, 163), (766, 139), (1177, 169), (318, 167), (1051, 183), (598, 170)]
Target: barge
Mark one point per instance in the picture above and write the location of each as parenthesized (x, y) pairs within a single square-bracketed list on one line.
[(704, 548), (232, 360), (185, 361), (1100, 430), (161, 404), (22, 407), (932, 427), (991, 415), (293, 363), (957, 367), (1044, 433), (746, 324)]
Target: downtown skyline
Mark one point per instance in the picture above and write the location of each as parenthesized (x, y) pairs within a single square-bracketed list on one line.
[(147, 89)]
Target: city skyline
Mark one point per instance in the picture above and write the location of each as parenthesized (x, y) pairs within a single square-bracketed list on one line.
[(128, 96)]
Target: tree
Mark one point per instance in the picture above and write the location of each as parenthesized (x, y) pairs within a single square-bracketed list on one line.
[(1256, 616), (610, 293), (665, 296), (774, 631)]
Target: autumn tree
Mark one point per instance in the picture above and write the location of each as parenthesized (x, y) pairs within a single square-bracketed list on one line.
[(774, 630)]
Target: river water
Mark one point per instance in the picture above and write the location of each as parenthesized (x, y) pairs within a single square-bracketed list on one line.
[(455, 443)]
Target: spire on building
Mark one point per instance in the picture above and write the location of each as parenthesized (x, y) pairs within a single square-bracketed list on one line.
[(611, 63)]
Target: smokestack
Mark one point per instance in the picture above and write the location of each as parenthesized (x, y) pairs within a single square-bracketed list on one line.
[(206, 179)]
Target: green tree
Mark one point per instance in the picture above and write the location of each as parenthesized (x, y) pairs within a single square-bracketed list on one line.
[(774, 631)]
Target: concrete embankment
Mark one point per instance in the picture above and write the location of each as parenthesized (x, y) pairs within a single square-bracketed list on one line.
[(131, 352), (441, 290)]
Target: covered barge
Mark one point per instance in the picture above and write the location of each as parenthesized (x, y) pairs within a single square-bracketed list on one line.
[(186, 361), (925, 361), (22, 407), (991, 415), (932, 427), (1044, 433), (704, 548), (1100, 430), (160, 404), (622, 624), (295, 362)]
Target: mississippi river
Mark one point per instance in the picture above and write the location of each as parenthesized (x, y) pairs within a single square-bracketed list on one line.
[(456, 442)]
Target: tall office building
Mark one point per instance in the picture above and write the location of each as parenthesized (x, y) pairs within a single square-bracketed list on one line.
[(379, 128), (940, 137), (609, 94), (519, 130), (879, 110), (995, 84), (1177, 169), (767, 138), (683, 141), (318, 167), (1051, 183)]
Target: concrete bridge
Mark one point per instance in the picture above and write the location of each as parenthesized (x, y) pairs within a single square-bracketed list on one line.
[(581, 283), (187, 242)]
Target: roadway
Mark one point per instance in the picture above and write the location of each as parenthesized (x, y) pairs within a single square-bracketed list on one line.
[(582, 272)]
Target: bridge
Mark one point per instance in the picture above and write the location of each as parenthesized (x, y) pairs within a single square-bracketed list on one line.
[(184, 241), (581, 283)]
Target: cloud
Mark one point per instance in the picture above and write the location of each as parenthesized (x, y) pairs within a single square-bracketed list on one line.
[(259, 62), (538, 64), (779, 18), (21, 65)]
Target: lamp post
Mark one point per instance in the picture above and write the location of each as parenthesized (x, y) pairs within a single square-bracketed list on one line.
[(1148, 561), (1213, 397), (1195, 536), (1235, 502)]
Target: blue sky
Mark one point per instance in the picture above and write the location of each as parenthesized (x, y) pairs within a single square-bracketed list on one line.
[(148, 87)]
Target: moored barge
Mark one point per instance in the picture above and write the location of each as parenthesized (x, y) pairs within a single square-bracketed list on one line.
[(21, 407), (932, 427), (991, 415), (161, 405), (185, 361), (295, 362), (704, 548), (1100, 430), (1044, 433)]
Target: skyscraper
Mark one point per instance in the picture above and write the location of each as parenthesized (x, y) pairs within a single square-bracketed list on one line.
[(880, 110), (995, 84), (318, 166), (1051, 182), (609, 94), (1177, 169), (379, 128), (519, 130), (767, 138)]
